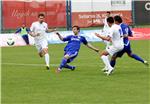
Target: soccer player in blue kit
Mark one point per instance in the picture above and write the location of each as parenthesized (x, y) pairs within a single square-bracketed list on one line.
[(127, 48), (72, 48)]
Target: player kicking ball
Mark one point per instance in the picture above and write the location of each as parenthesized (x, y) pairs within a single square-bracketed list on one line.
[(127, 48), (116, 37), (72, 48)]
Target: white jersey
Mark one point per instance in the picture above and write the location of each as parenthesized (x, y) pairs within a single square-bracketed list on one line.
[(105, 31), (116, 36), (41, 28), (106, 26)]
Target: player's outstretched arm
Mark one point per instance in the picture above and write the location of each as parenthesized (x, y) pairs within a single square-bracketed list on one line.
[(60, 37), (92, 47), (51, 30), (103, 37), (33, 34)]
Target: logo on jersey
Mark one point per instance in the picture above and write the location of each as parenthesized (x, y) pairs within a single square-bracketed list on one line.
[(76, 39)]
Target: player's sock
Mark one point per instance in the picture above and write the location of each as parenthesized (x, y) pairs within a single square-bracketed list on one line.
[(47, 59), (113, 63), (106, 61), (136, 57), (63, 63), (69, 67)]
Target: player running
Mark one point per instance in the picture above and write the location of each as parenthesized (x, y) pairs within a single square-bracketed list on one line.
[(106, 28), (116, 37), (127, 48), (72, 48), (38, 30)]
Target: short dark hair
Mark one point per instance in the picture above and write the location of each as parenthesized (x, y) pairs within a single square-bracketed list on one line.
[(41, 14), (108, 12), (110, 19), (78, 28), (118, 18)]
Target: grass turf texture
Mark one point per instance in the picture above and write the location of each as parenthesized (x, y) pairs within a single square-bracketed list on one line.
[(27, 84)]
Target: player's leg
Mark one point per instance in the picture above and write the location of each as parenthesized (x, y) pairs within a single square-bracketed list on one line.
[(138, 58), (44, 52), (134, 56), (115, 56), (63, 63), (70, 67), (104, 57), (68, 61), (113, 61), (111, 50), (67, 57), (46, 55), (39, 48), (26, 39)]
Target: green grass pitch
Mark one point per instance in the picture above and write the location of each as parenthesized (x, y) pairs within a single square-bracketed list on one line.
[(25, 79)]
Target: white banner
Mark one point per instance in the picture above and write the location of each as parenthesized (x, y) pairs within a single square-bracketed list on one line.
[(100, 5), (16, 39), (13, 40), (88, 34)]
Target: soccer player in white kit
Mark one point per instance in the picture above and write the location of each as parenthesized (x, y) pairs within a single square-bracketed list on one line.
[(38, 30), (106, 28), (116, 38)]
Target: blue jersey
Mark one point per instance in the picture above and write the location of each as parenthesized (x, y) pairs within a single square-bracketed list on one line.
[(74, 42), (126, 31)]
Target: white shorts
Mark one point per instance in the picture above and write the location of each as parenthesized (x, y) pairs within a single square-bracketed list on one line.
[(112, 50), (40, 45)]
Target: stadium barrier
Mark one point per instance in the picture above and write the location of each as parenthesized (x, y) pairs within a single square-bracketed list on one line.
[(91, 14), (7, 40), (140, 34), (16, 40)]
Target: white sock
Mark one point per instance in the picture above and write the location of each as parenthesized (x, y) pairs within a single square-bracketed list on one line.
[(47, 59), (106, 61)]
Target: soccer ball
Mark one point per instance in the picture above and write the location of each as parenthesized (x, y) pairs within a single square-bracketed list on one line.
[(10, 41)]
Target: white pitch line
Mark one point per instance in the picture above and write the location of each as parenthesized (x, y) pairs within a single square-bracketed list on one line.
[(23, 64), (100, 65)]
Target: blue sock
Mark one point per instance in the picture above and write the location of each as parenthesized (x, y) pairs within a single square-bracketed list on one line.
[(68, 66), (137, 58), (113, 63), (63, 63)]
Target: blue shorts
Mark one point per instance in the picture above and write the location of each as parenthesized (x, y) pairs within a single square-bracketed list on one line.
[(126, 49), (72, 54)]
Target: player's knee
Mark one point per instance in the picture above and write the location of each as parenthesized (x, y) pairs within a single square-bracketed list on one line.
[(103, 53), (45, 51), (130, 54), (66, 56)]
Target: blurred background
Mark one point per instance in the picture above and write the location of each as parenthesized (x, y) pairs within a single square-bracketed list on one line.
[(65, 13)]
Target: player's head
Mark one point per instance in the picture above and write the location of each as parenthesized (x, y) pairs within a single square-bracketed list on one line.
[(41, 17), (118, 19), (23, 25), (76, 29), (108, 14), (110, 21)]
